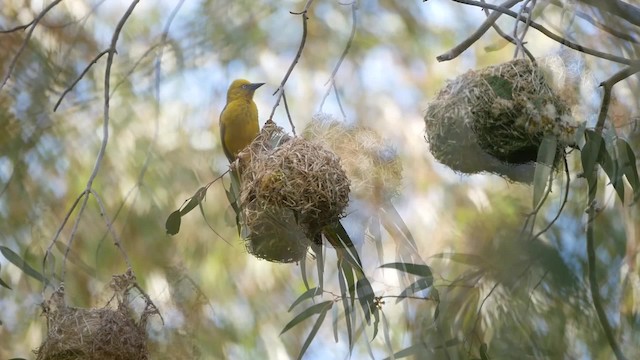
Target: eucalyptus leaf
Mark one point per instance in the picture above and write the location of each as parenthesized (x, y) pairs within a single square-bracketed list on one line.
[(544, 164), (16, 260), (315, 309), (628, 166), (415, 269), (316, 327), (310, 293)]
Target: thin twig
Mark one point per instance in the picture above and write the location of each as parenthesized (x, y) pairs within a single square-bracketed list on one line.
[(564, 201), (592, 214), (331, 82), (116, 239), (542, 29), (33, 25), (105, 126), (506, 37), (84, 72), (520, 39), (280, 90), (464, 45), (286, 109)]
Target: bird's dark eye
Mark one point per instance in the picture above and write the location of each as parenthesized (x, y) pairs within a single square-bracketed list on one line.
[(244, 86)]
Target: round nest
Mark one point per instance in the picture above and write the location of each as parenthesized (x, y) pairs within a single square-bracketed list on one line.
[(103, 333), (290, 188), (501, 112), (372, 164)]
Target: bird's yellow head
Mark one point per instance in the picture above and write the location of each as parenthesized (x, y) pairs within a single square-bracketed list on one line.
[(242, 89)]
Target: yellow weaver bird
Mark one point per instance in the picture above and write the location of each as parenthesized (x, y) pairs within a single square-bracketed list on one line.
[(239, 118)]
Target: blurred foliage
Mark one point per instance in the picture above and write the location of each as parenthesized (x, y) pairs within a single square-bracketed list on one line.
[(491, 291)]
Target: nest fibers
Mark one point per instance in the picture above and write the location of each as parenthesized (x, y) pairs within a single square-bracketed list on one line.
[(372, 164), (290, 188), (495, 118), (103, 333)]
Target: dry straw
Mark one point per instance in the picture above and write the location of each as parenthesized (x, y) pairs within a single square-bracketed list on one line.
[(290, 188), (103, 333), (372, 164), (495, 118)]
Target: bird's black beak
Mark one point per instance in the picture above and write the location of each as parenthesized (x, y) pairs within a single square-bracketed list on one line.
[(254, 86)]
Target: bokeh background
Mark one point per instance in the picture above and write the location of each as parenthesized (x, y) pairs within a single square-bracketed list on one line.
[(168, 81)]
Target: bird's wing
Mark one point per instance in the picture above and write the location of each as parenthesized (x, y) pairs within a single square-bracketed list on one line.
[(222, 134)]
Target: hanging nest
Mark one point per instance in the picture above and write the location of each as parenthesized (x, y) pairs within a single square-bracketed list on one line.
[(290, 188), (495, 118), (104, 333), (373, 165)]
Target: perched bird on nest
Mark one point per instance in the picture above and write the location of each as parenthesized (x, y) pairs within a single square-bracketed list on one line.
[(239, 118)]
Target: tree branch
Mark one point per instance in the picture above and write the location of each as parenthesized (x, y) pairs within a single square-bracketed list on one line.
[(280, 90), (542, 29), (464, 45), (33, 25)]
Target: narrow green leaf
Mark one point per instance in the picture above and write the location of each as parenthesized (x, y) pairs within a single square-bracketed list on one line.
[(419, 285), (628, 166), (345, 301), (303, 272), (317, 249), (194, 201), (366, 297), (16, 260), (415, 269), (590, 153), (5, 285), (336, 317), (484, 354), (310, 293), (544, 163), (314, 309), (315, 329), (392, 214), (387, 337), (172, 225), (501, 87)]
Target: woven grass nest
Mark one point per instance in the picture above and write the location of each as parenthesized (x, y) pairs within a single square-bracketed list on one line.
[(372, 164), (495, 118), (290, 188), (96, 333)]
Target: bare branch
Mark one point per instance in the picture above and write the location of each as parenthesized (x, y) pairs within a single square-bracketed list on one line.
[(116, 239), (460, 48), (331, 82), (84, 72), (280, 90), (542, 29), (105, 126), (33, 25)]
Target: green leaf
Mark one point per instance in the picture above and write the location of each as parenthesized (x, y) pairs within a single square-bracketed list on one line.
[(628, 166), (415, 269), (345, 299), (590, 153), (366, 297), (315, 309), (315, 329), (172, 225), (5, 285), (418, 350), (484, 354), (194, 201), (310, 293), (544, 164), (317, 249), (385, 331), (16, 260), (336, 318), (417, 286), (500, 86)]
